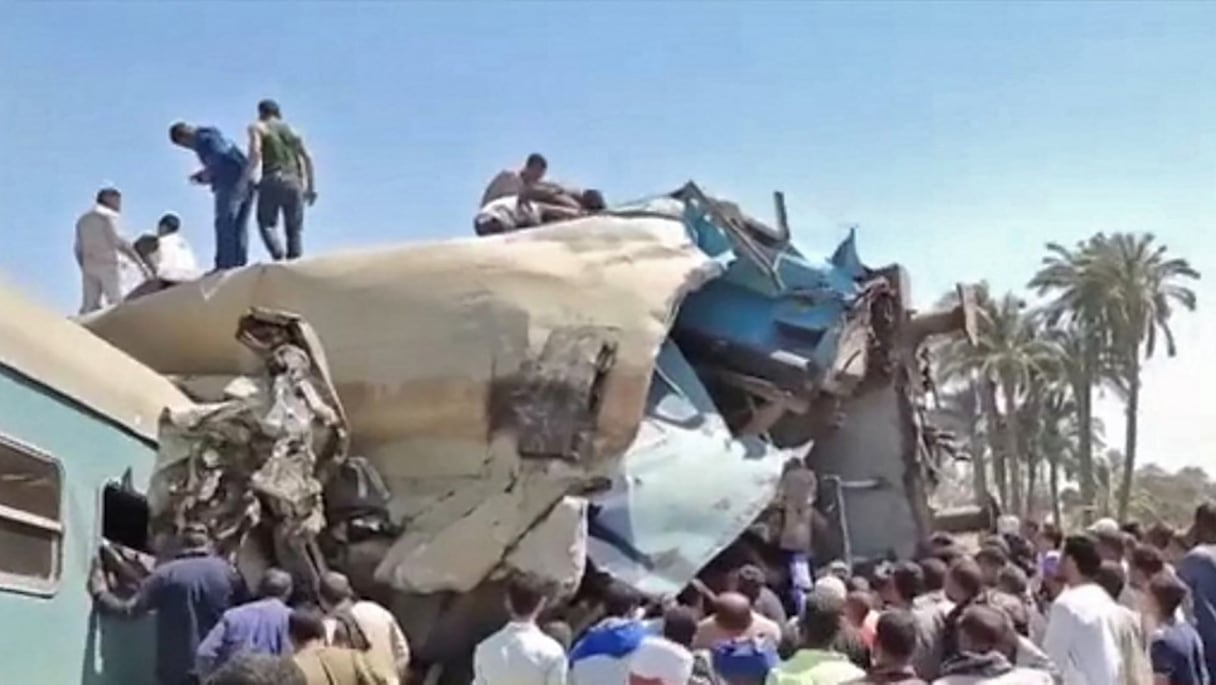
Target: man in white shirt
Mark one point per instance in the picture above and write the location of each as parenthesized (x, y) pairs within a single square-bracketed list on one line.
[(174, 260), (520, 653), (1081, 630), (666, 660), (98, 247)]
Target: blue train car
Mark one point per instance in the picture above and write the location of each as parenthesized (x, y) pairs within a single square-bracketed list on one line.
[(77, 444)]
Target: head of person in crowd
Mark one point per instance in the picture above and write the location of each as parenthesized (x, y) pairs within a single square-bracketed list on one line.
[(1015, 609), (269, 109), (822, 620), (1110, 577), (1133, 530), (276, 584), (1144, 562), (894, 640), (1110, 544), (248, 668), (620, 601), (733, 612), (306, 627), (983, 630), (526, 597), (335, 591), (1030, 529), (1166, 593), (1051, 576), (194, 538), (110, 198), (998, 541), (857, 583), (906, 582), (1049, 538), (964, 581), (692, 598), (1177, 547), (748, 580), (680, 625), (1012, 580), (1203, 531), (592, 200), (1080, 561), (561, 632), (168, 224), (146, 247), (534, 168), (857, 606), (1008, 525), (182, 134), (833, 586), (840, 569), (991, 559), (1158, 535), (933, 573)]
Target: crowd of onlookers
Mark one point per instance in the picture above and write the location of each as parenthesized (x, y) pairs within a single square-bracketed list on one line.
[(1109, 606)]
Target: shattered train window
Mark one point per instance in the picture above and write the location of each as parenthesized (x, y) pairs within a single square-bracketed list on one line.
[(31, 530)]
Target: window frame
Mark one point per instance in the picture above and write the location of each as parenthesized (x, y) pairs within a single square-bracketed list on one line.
[(29, 585)]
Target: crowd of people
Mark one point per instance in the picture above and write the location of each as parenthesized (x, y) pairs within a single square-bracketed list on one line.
[(275, 175), (1108, 606), (209, 631)]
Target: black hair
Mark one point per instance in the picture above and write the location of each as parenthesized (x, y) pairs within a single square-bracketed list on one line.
[(1052, 532), (269, 108), (1205, 517), (1133, 529), (170, 221), (933, 571), (908, 580), (680, 625), (306, 625), (248, 668), (178, 131), (620, 600), (1083, 550), (1110, 577), (821, 619), (537, 159), (896, 635), (275, 583), (106, 193), (525, 592), (335, 588), (1167, 592), (966, 574), (749, 581), (986, 628), (1012, 579), (1147, 559)]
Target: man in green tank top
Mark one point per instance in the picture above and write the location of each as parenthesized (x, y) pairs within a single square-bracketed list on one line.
[(287, 179)]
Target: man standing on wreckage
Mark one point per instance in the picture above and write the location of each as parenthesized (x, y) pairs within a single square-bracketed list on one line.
[(224, 168)]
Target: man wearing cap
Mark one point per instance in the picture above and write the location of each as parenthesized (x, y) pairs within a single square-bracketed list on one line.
[(287, 183), (189, 594)]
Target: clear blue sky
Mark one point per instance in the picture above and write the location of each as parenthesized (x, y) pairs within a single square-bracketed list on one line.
[(960, 136)]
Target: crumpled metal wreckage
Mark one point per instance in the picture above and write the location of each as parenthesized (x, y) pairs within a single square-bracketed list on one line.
[(620, 390), (258, 459)]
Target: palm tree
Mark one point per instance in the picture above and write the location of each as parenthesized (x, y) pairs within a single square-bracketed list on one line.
[(1142, 290), (1078, 299), (1007, 353)]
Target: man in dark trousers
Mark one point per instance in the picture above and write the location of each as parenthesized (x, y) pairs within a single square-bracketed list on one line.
[(224, 169), (189, 594), (287, 181)]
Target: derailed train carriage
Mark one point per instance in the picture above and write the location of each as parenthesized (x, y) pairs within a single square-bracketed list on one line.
[(620, 390)]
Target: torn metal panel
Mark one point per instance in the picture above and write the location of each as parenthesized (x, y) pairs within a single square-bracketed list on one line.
[(685, 489), (261, 458)]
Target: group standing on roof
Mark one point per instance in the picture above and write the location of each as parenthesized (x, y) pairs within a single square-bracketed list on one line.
[(273, 177)]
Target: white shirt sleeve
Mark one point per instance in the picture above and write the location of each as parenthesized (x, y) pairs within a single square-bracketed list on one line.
[(1056, 638), (557, 671)]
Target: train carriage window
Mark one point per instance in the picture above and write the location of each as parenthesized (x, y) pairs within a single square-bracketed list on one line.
[(31, 525), (124, 518)]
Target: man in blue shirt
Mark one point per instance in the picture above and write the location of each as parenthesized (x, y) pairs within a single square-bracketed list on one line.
[(1198, 570), (259, 627), (224, 168), (189, 595), (1176, 651)]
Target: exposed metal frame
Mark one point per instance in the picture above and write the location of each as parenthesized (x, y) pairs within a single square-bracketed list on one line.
[(22, 584)]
